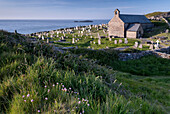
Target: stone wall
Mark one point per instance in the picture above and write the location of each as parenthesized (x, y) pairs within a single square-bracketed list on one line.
[(131, 56)]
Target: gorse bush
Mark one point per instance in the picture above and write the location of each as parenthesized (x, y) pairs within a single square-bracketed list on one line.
[(37, 79)]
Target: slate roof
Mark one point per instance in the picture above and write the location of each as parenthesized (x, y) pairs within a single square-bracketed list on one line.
[(133, 27), (134, 18)]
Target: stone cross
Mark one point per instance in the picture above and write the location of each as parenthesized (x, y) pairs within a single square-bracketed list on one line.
[(156, 46), (73, 41)]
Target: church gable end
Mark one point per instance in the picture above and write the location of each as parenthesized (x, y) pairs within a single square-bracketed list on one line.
[(120, 23)]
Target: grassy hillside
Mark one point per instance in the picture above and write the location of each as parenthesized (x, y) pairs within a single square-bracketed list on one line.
[(34, 78), (154, 14)]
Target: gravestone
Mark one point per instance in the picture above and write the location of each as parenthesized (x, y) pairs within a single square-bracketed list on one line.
[(62, 38), (73, 41), (99, 41), (167, 31), (156, 46), (110, 39), (107, 47), (126, 41), (115, 41), (151, 47), (140, 46), (157, 43), (47, 40), (136, 45), (120, 41), (42, 37), (39, 36)]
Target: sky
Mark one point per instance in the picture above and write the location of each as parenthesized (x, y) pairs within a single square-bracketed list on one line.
[(77, 9)]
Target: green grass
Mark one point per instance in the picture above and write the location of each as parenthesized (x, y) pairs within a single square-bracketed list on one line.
[(35, 78), (154, 14)]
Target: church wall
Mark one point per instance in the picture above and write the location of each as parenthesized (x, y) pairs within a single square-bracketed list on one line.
[(116, 27), (131, 34)]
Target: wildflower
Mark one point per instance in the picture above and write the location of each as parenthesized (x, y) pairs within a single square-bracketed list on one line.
[(88, 104), (114, 81), (48, 90), (54, 110), (38, 110), (24, 100), (53, 85), (75, 92), (79, 102), (46, 98), (57, 83), (76, 107), (80, 113), (65, 89), (32, 100), (120, 84), (23, 96), (45, 86), (28, 95), (83, 111), (69, 88), (62, 85)]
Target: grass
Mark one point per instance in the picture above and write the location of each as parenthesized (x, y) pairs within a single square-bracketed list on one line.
[(154, 14), (159, 28), (35, 78)]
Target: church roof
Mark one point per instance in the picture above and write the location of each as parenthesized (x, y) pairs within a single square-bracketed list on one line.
[(133, 27), (133, 18)]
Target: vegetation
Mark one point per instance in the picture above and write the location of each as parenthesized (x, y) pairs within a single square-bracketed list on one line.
[(34, 78), (159, 28), (154, 14)]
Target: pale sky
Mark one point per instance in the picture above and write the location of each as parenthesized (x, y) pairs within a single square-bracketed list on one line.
[(77, 9)]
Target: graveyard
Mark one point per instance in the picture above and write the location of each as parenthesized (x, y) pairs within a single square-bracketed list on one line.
[(83, 70), (96, 37)]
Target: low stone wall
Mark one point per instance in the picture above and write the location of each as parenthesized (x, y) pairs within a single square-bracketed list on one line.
[(131, 56)]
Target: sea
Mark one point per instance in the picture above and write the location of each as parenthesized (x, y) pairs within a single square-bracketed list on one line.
[(33, 26)]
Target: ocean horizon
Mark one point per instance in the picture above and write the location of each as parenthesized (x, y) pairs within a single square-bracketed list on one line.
[(28, 26)]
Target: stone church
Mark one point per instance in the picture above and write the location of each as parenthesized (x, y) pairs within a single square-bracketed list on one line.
[(128, 26)]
